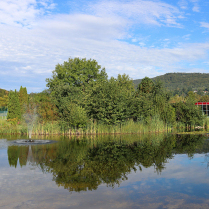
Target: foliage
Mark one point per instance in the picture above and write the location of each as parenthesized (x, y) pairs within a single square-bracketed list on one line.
[(151, 99), (68, 104), (14, 110), (108, 101), (4, 102), (176, 99), (204, 98), (46, 108), (146, 86), (188, 113), (193, 97), (76, 73), (13, 121), (3, 92), (68, 87), (23, 99), (81, 99), (72, 115)]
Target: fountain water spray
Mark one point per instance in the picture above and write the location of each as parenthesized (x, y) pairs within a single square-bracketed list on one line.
[(30, 118)]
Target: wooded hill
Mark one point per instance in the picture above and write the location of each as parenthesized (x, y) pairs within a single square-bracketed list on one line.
[(3, 92), (173, 81)]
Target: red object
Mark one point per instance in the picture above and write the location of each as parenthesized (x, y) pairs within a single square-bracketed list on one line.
[(202, 103)]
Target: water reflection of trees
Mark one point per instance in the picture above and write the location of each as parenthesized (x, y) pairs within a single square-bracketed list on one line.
[(29, 154), (80, 165), (13, 154)]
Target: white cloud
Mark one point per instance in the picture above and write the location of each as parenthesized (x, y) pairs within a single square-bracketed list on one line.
[(88, 26), (148, 12), (204, 25), (96, 33), (183, 4), (142, 44), (186, 37), (43, 48), (196, 7), (22, 12)]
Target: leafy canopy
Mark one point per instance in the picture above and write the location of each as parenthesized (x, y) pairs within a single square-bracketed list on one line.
[(69, 85), (76, 73), (109, 101)]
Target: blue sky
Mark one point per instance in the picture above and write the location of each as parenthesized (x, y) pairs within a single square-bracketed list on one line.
[(136, 37)]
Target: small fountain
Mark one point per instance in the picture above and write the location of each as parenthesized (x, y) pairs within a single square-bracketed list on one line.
[(30, 118), (32, 142)]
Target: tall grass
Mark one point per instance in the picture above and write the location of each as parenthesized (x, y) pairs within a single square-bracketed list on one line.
[(206, 123), (92, 128), (187, 129)]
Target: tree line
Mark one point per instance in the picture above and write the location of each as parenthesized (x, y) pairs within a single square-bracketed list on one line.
[(80, 91)]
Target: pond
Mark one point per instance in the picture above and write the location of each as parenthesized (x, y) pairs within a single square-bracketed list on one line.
[(121, 171)]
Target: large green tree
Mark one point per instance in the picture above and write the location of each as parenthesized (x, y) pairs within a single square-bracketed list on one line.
[(109, 101), (68, 87), (76, 73), (146, 86), (187, 112), (151, 100)]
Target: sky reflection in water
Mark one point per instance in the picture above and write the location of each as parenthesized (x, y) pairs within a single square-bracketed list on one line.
[(107, 172)]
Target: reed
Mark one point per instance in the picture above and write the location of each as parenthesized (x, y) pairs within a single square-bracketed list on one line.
[(206, 123), (154, 125)]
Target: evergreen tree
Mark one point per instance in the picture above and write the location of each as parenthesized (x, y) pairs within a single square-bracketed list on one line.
[(13, 105), (23, 99), (146, 85)]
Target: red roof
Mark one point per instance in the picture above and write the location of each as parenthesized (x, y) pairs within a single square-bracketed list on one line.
[(202, 103)]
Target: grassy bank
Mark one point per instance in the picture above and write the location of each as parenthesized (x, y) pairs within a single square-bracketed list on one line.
[(155, 125), (194, 129), (92, 128)]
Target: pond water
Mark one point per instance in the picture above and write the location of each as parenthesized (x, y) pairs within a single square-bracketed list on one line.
[(122, 171)]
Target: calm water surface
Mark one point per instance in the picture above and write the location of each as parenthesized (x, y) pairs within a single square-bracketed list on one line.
[(126, 171)]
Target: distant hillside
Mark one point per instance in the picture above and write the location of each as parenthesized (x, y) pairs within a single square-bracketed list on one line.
[(174, 81), (3, 92)]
